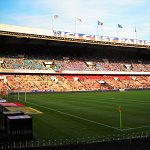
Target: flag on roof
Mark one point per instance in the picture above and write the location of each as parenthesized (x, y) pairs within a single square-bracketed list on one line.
[(79, 19), (56, 16), (119, 26), (99, 23)]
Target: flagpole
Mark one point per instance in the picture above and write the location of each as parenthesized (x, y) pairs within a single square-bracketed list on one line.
[(117, 31), (54, 17), (135, 33), (75, 24), (97, 28), (120, 116), (120, 119), (79, 20), (52, 22), (99, 24)]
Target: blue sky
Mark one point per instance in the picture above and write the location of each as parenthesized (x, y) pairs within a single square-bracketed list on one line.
[(38, 14)]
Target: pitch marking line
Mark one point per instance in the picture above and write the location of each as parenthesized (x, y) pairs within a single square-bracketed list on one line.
[(135, 128), (81, 118)]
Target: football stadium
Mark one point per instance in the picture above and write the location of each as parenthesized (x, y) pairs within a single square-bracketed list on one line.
[(65, 90)]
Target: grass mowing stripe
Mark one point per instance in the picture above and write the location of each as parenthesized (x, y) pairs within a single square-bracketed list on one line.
[(81, 118), (135, 128), (95, 106), (139, 102)]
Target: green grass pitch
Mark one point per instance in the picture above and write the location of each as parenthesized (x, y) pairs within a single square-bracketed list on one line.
[(88, 114)]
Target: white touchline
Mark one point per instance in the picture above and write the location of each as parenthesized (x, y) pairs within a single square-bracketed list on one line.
[(61, 112), (136, 128)]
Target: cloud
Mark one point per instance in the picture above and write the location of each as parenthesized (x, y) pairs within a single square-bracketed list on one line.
[(128, 13)]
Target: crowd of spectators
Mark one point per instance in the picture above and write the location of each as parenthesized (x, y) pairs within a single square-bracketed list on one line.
[(23, 63), (72, 82), (32, 82), (72, 64)]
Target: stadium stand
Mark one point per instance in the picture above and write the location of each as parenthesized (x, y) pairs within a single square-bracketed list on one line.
[(39, 65), (85, 82)]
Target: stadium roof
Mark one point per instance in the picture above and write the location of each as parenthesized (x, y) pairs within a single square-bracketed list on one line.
[(34, 36)]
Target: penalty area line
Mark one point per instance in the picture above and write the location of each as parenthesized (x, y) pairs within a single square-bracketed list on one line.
[(74, 116)]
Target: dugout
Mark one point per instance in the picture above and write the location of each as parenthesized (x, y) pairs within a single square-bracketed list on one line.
[(19, 127), (3, 118)]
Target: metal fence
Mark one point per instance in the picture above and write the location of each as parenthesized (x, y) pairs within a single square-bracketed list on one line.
[(66, 142)]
